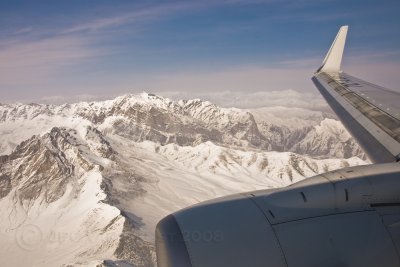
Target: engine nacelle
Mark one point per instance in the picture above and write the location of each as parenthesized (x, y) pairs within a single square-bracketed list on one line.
[(348, 217)]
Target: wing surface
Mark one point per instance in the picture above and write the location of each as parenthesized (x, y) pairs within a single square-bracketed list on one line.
[(371, 113)]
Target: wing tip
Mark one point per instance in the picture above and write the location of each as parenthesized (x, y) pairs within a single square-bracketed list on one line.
[(333, 59)]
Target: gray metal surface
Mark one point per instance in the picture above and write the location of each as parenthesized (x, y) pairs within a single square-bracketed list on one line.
[(346, 190), (348, 217), (367, 98), (171, 247), (355, 239), (379, 145), (386, 99), (229, 232), (391, 220)]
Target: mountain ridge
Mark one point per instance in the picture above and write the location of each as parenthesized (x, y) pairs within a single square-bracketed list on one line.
[(187, 122)]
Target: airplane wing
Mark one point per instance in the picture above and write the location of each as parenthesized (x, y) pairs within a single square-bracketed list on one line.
[(370, 112)]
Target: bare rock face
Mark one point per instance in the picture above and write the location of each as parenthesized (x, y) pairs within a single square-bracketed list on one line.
[(40, 165), (135, 250), (46, 164), (98, 144), (150, 117), (5, 185)]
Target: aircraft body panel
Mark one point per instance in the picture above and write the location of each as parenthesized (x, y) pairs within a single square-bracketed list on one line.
[(327, 220), (358, 104), (338, 240)]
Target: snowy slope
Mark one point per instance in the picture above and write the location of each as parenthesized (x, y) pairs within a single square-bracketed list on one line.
[(290, 117), (46, 234), (181, 176), (307, 132)]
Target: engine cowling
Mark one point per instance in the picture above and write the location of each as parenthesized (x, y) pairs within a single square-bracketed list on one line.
[(348, 217)]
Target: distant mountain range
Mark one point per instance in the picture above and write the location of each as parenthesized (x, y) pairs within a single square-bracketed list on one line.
[(84, 184)]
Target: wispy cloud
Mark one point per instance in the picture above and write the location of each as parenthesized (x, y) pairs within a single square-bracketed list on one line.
[(240, 78), (104, 22), (24, 30), (24, 62), (309, 62), (39, 56), (60, 99), (48, 52), (57, 50), (226, 98), (242, 99), (137, 15), (156, 12)]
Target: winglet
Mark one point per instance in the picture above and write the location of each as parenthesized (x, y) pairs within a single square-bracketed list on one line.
[(333, 58)]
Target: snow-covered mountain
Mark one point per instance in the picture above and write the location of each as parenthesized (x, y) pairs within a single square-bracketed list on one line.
[(307, 132), (186, 123), (85, 184), (54, 203)]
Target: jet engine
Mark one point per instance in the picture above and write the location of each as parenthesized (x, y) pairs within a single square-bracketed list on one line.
[(348, 217)]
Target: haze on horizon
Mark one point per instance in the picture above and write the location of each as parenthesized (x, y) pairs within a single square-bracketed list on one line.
[(60, 50)]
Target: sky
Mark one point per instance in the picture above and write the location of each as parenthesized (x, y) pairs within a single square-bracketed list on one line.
[(65, 50)]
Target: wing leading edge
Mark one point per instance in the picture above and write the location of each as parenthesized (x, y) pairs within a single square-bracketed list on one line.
[(369, 112)]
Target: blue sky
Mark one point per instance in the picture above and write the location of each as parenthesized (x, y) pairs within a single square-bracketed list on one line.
[(56, 49)]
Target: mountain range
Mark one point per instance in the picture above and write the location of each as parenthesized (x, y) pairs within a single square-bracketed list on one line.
[(84, 184)]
